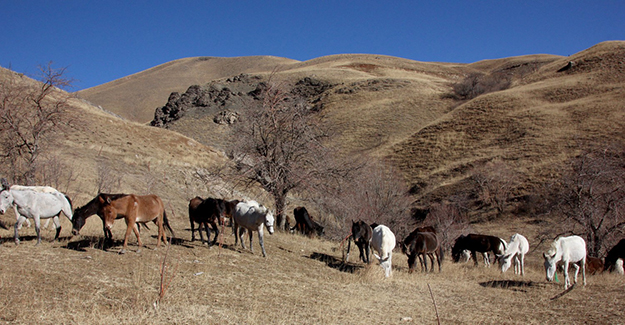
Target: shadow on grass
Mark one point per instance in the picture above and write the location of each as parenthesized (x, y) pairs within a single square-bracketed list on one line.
[(512, 284), (101, 243), (335, 263)]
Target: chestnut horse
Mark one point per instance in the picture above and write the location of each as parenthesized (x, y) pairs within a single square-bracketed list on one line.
[(133, 208)]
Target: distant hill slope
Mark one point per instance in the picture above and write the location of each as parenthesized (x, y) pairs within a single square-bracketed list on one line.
[(404, 110), (136, 96)]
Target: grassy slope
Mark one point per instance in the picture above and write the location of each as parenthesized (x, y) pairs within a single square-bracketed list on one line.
[(528, 123)]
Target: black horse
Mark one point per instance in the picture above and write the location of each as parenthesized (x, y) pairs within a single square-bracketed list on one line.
[(361, 235), (478, 243), (618, 251)]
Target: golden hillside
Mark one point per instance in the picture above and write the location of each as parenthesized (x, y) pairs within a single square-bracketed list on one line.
[(402, 109)]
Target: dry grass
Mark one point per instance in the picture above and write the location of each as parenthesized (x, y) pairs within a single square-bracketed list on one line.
[(301, 281)]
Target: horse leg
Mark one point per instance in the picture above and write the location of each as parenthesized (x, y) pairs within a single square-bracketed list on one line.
[(38, 228), (349, 244), (566, 275), (522, 264), (251, 246), (135, 228), (584, 270), (216, 229), (438, 259), (208, 233), (486, 259), (576, 272), (18, 225), (260, 240), (431, 255), (57, 225), (193, 229), (474, 257), (368, 251), (241, 232), (129, 227)]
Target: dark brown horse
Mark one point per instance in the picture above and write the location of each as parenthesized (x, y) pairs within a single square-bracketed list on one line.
[(361, 235), (133, 208), (478, 243), (618, 251), (305, 224), (422, 242), (203, 212)]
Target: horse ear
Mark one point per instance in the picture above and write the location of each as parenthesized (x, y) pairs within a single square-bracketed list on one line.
[(4, 183), (545, 255)]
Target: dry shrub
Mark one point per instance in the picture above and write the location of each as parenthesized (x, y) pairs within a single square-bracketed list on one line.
[(450, 221), (476, 84)]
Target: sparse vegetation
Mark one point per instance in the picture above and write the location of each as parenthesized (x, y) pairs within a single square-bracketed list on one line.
[(393, 111)]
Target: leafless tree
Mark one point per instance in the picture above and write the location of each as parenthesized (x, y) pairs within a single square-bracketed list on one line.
[(495, 183), (376, 193), (29, 113), (280, 146), (592, 195), (450, 220)]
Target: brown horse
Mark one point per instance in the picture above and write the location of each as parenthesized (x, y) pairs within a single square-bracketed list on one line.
[(203, 212), (136, 209), (133, 208), (422, 241)]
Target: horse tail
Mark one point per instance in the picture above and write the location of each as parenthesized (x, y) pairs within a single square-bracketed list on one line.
[(166, 223), (71, 208)]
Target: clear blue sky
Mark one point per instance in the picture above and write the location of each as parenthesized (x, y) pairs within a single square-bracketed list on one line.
[(100, 41)]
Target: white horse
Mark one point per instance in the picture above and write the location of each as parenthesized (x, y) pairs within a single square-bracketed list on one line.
[(42, 189), (252, 216), (570, 249), (383, 241), (517, 248), (36, 205)]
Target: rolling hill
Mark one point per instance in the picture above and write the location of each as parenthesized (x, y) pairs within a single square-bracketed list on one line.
[(405, 110)]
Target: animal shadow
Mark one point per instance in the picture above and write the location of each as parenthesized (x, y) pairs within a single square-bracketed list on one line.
[(512, 284), (92, 242), (334, 262)]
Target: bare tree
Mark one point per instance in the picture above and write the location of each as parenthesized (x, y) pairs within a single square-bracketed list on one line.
[(29, 113), (592, 195), (375, 192), (450, 220), (495, 183), (280, 146)]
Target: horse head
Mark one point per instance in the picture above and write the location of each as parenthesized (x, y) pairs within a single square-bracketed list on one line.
[(79, 219), (269, 222), (550, 266), (6, 200)]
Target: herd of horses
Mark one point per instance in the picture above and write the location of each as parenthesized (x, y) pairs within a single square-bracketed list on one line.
[(43, 202)]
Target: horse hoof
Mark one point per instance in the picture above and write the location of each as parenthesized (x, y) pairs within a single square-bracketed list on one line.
[(138, 251), (123, 251)]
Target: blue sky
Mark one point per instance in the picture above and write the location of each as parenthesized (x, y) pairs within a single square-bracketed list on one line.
[(100, 41)]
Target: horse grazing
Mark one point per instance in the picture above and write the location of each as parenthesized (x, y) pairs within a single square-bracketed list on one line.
[(204, 212), (570, 249), (383, 241), (516, 250), (252, 216), (617, 252), (37, 205), (133, 208), (361, 235), (420, 244), (305, 224), (478, 243)]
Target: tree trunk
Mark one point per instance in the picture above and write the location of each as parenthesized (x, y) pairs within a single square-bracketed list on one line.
[(281, 218)]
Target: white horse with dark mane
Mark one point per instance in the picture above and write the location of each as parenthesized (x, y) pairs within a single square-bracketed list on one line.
[(251, 216), (570, 249), (43, 189), (515, 252), (29, 203), (383, 241)]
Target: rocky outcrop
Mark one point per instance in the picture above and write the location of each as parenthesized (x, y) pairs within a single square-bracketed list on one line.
[(225, 99)]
